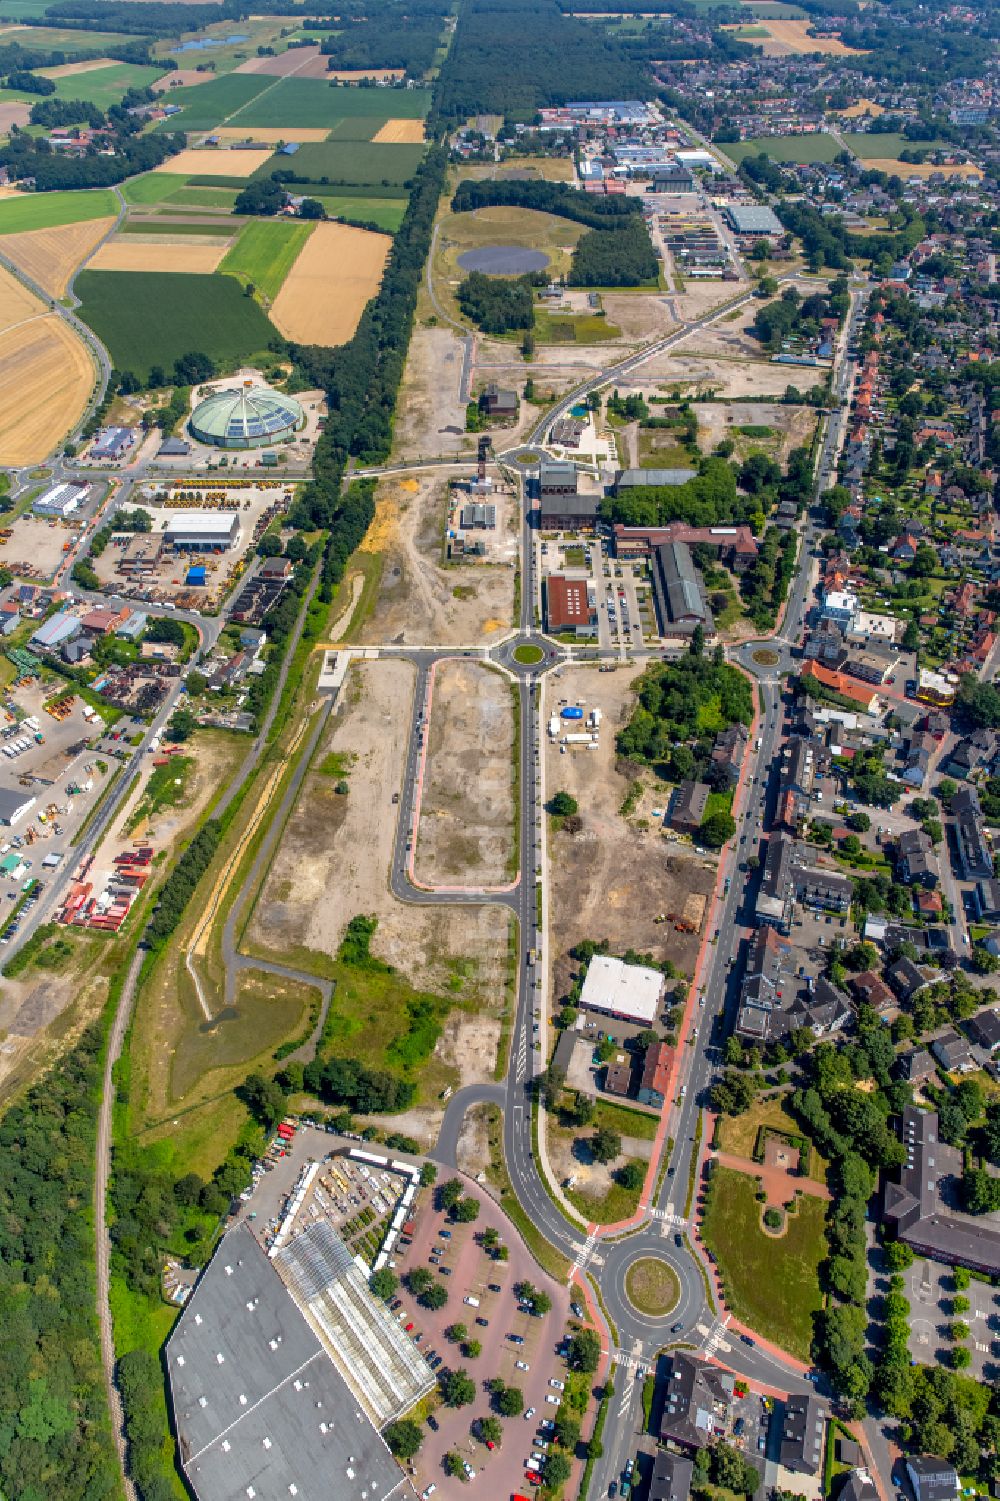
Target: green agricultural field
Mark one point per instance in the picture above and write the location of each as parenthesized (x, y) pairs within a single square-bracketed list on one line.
[(387, 213), (819, 147), (153, 187), (356, 128), (265, 253), (192, 197), (314, 102), (70, 40), (222, 227), (206, 105), (47, 210), (105, 86), (152, 318), (356, 162), (887, 144), (752, 1263)]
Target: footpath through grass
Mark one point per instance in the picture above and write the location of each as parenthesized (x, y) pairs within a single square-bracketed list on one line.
[(753, 1264)]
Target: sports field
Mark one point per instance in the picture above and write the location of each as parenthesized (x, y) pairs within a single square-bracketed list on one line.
[(151, 318), (335, 274), (105, 86), (46, 376), (818, 147), (357, 162), (23, 211), (50, 256), (265, 252)]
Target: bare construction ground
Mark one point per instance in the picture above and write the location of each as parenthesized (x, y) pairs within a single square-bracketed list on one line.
[(420, 597), (728, 337), (430, 417), (691, 374), (610, 880), (333, 862), (640, 318), (789, 427), (465, 835)]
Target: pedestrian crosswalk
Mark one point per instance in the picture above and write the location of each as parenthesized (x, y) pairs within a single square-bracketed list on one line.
[(636, 1363), (584, 1254), (668, 1216), (714, 1336)]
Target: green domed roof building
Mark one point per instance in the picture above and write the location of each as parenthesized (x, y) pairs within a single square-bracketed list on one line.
[(247, 417)]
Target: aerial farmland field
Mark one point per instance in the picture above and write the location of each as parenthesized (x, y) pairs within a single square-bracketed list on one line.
[(357, 162), (386, 213), (46, 376), (205, 105), (50, 256), (24, 211), (817, 147), (152, 318), (312, 101), (104, 87), (265, 252), (336, 272)]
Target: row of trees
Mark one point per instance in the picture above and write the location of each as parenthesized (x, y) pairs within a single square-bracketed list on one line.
[(544, 198)]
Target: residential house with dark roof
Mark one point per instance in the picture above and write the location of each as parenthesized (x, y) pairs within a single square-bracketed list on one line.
[(932, 1479), (906, 978), (696, 1402), (802, 1431), (916, 861), (859, 1486), (916, 1066), (870, 989), (655, 1080), (671, 1477), (973, 853), (768, 987), (984, 1029), (985, 898), (953, 1052), (618, 1076), (687, 808), (729, 749)]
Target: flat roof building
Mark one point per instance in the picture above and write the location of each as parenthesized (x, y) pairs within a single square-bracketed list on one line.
[(14, 805), (629, 991), (260, 1409), (61, 500), (753, 219), (570, 605), (203, 531)]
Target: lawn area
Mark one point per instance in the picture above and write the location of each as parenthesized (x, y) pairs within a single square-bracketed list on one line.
[(652, 1286), (819, 147), (752, 1264), (269, 1009), (205, 105), (152, 318), (358, 162), (47, 210), (625, 1121), (616, 1204), (660, 450), (105, 86), (265, 253), (153, 187), (738, 1133), (887, 144)]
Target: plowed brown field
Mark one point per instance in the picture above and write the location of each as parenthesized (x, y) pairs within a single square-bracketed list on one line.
[(338, 269), (50, 256), (46, 375), (400, 133), (295, 60), (133, 253)]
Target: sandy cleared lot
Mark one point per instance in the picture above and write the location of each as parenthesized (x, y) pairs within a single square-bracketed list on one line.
[(337, 270), (430, 416), (71, 70), (133, 253), (400, 133), (729, 336), (333, 862), (36, 548), (209, 163), (50, 256), (790, 427), (464, 837), (419, 599), (611, 879), (690, 374), (45, 376), (271, 135), (863, 107)]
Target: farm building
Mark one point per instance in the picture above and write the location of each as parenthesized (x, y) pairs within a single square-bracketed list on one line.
[(629, 991), (202, 531), (61, 500), (249, 417)]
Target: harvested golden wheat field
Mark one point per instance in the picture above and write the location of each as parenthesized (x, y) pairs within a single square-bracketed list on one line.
[(209, 163), (50, 256), (355, 75), (46, 375), (179, 78), (136, 253), (70, 70), (400, 133), (270, 135), (791, 38), (337, 270), (893, 168)]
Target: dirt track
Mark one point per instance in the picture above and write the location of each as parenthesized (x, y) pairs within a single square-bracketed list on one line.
[(465, 835)]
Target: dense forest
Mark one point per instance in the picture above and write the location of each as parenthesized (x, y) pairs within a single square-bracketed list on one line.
[(621, 256), (497, 305), (546, 198), (56, 1440), (511, 57), (394, 37)]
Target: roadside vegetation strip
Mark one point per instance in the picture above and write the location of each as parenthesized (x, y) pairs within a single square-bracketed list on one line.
[(693, 1169), (595, 1288), (598, 1433), (549, 1259), (510, 998)]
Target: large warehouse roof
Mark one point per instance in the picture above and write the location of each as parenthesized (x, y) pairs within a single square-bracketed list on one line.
[(260, 1409), (754, 219), (202, 526), (628, 990)]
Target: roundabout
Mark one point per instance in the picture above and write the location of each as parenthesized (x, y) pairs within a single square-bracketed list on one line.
[(651, 1287), (528, 654)]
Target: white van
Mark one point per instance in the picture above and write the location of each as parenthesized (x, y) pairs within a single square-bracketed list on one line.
[(472, 1302)]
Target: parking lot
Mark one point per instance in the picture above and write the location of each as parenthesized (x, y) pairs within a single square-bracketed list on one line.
[(625, 613), (931, 1291), (517, 1346)]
